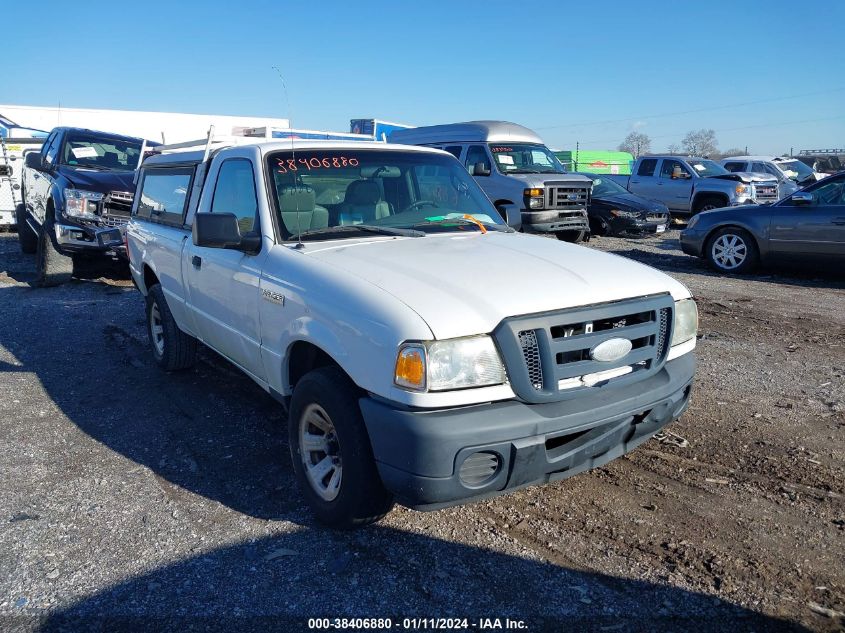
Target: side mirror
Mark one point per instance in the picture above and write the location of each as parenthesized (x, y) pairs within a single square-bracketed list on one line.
[(220, 230), (481, 169), (801, 198), (34, 160), (511, 214)]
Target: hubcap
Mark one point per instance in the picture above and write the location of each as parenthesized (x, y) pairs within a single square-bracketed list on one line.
[(320, 452), (729, 251), (157, 329)]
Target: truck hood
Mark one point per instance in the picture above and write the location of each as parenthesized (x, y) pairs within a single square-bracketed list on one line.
[(545, 180), (465, 284), (97, 180), (745, 176)]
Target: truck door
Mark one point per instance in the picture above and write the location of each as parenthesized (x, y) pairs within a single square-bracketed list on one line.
[(644, 181), (223, 283), (675, 184), (38, 182)]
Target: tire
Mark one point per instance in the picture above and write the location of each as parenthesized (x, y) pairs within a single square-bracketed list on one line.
[(27, 238), (598, 227), (732, 250), (172, 348), (571, 236), (350, 494), (52, 267), (707, 203)]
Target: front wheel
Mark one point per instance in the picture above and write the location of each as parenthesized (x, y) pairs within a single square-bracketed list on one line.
[(732, 250), (571, 236), (332, 457), (53, 268)]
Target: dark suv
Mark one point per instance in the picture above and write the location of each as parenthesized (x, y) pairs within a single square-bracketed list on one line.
[(80, 182)]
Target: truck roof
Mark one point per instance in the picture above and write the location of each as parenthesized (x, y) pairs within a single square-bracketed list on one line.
[(268, 146), (101, 133), (678, 156), (764, 158), (468, 131)]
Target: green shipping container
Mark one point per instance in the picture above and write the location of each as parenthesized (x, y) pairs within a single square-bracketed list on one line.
[(597, 161)]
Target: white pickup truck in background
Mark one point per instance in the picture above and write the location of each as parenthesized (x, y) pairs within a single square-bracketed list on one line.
[(426, 352)]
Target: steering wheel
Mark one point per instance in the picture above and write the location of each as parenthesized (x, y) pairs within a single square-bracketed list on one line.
[(419, 204)]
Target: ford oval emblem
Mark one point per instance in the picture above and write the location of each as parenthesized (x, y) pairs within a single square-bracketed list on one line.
[(610, 350)]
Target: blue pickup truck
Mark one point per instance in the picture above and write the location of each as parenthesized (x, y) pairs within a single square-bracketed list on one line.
[(688, 185)]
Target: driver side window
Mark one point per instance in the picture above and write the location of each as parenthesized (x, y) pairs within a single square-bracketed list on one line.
[(476, 154), (830, 194), (673, 167)]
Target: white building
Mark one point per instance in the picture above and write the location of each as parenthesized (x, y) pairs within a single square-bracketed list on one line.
[(170, 127)]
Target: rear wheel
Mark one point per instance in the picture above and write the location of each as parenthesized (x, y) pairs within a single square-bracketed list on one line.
[(332, 457), (27, 238), (571, 236), (172, 348), (53, 268), (732, 250)]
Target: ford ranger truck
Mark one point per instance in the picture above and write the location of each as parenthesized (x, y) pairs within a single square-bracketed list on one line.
[(523, 178), (417, 360), (80, 183), (688, 185)]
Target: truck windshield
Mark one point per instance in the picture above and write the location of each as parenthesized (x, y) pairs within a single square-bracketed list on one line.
[(525, 158), (388, 192), (706, 168), (794, 169), (100, 152)]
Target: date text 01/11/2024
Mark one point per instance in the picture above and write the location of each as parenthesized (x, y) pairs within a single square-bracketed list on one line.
[(417, 624)]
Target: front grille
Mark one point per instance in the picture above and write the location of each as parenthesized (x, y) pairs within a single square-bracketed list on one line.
[(549, 356), (765, 193), (531, 354), (656, 217), (118, 204), (569, 197)]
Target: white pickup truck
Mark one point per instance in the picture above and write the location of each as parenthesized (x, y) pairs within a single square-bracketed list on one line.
[(426, 352)]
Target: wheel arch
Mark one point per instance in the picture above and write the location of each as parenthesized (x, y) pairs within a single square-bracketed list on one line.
[(699, 196), (302, 356), (149, 277)]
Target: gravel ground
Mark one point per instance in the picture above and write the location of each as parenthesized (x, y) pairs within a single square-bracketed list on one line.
[(133, 499)]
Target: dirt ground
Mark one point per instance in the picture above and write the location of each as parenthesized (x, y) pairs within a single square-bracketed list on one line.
[(134, 499)]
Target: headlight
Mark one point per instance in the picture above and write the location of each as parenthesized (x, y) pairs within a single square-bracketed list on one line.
[(741, 189), (535, 198), (451, 364), (81, 204), (685, 324), (619, 213)]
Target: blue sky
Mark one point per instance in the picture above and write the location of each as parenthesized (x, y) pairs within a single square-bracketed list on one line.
[(769, 75)]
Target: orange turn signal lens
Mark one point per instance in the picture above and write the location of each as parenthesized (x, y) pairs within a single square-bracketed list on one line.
[(533, 193), (410, 368)]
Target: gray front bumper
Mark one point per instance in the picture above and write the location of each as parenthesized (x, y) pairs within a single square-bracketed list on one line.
[(419, 453)]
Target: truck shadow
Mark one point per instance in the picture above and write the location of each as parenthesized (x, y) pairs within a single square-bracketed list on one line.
[(211, 432), (278, 583)]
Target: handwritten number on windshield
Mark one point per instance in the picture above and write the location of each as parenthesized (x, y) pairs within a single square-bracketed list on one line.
[(315, 162)]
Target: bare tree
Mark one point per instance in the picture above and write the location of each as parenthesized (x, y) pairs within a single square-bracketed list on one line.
[(700, 143), (674, 148), (734, 151), (636, 143)]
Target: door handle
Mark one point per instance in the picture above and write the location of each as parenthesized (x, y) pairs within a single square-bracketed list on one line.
[(196, 260), (635, 182)]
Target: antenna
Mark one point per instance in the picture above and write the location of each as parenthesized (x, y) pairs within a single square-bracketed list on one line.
[(299, 243)]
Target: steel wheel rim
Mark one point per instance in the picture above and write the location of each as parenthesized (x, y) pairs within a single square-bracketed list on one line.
[(729, 251), (320, 452), (157, 329)]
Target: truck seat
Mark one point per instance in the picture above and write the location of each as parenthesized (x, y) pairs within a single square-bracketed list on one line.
[(299, 200), (363, 198)]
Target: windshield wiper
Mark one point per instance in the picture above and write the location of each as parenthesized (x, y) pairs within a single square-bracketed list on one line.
[(89, 166), (523, 171), (363, 228)]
